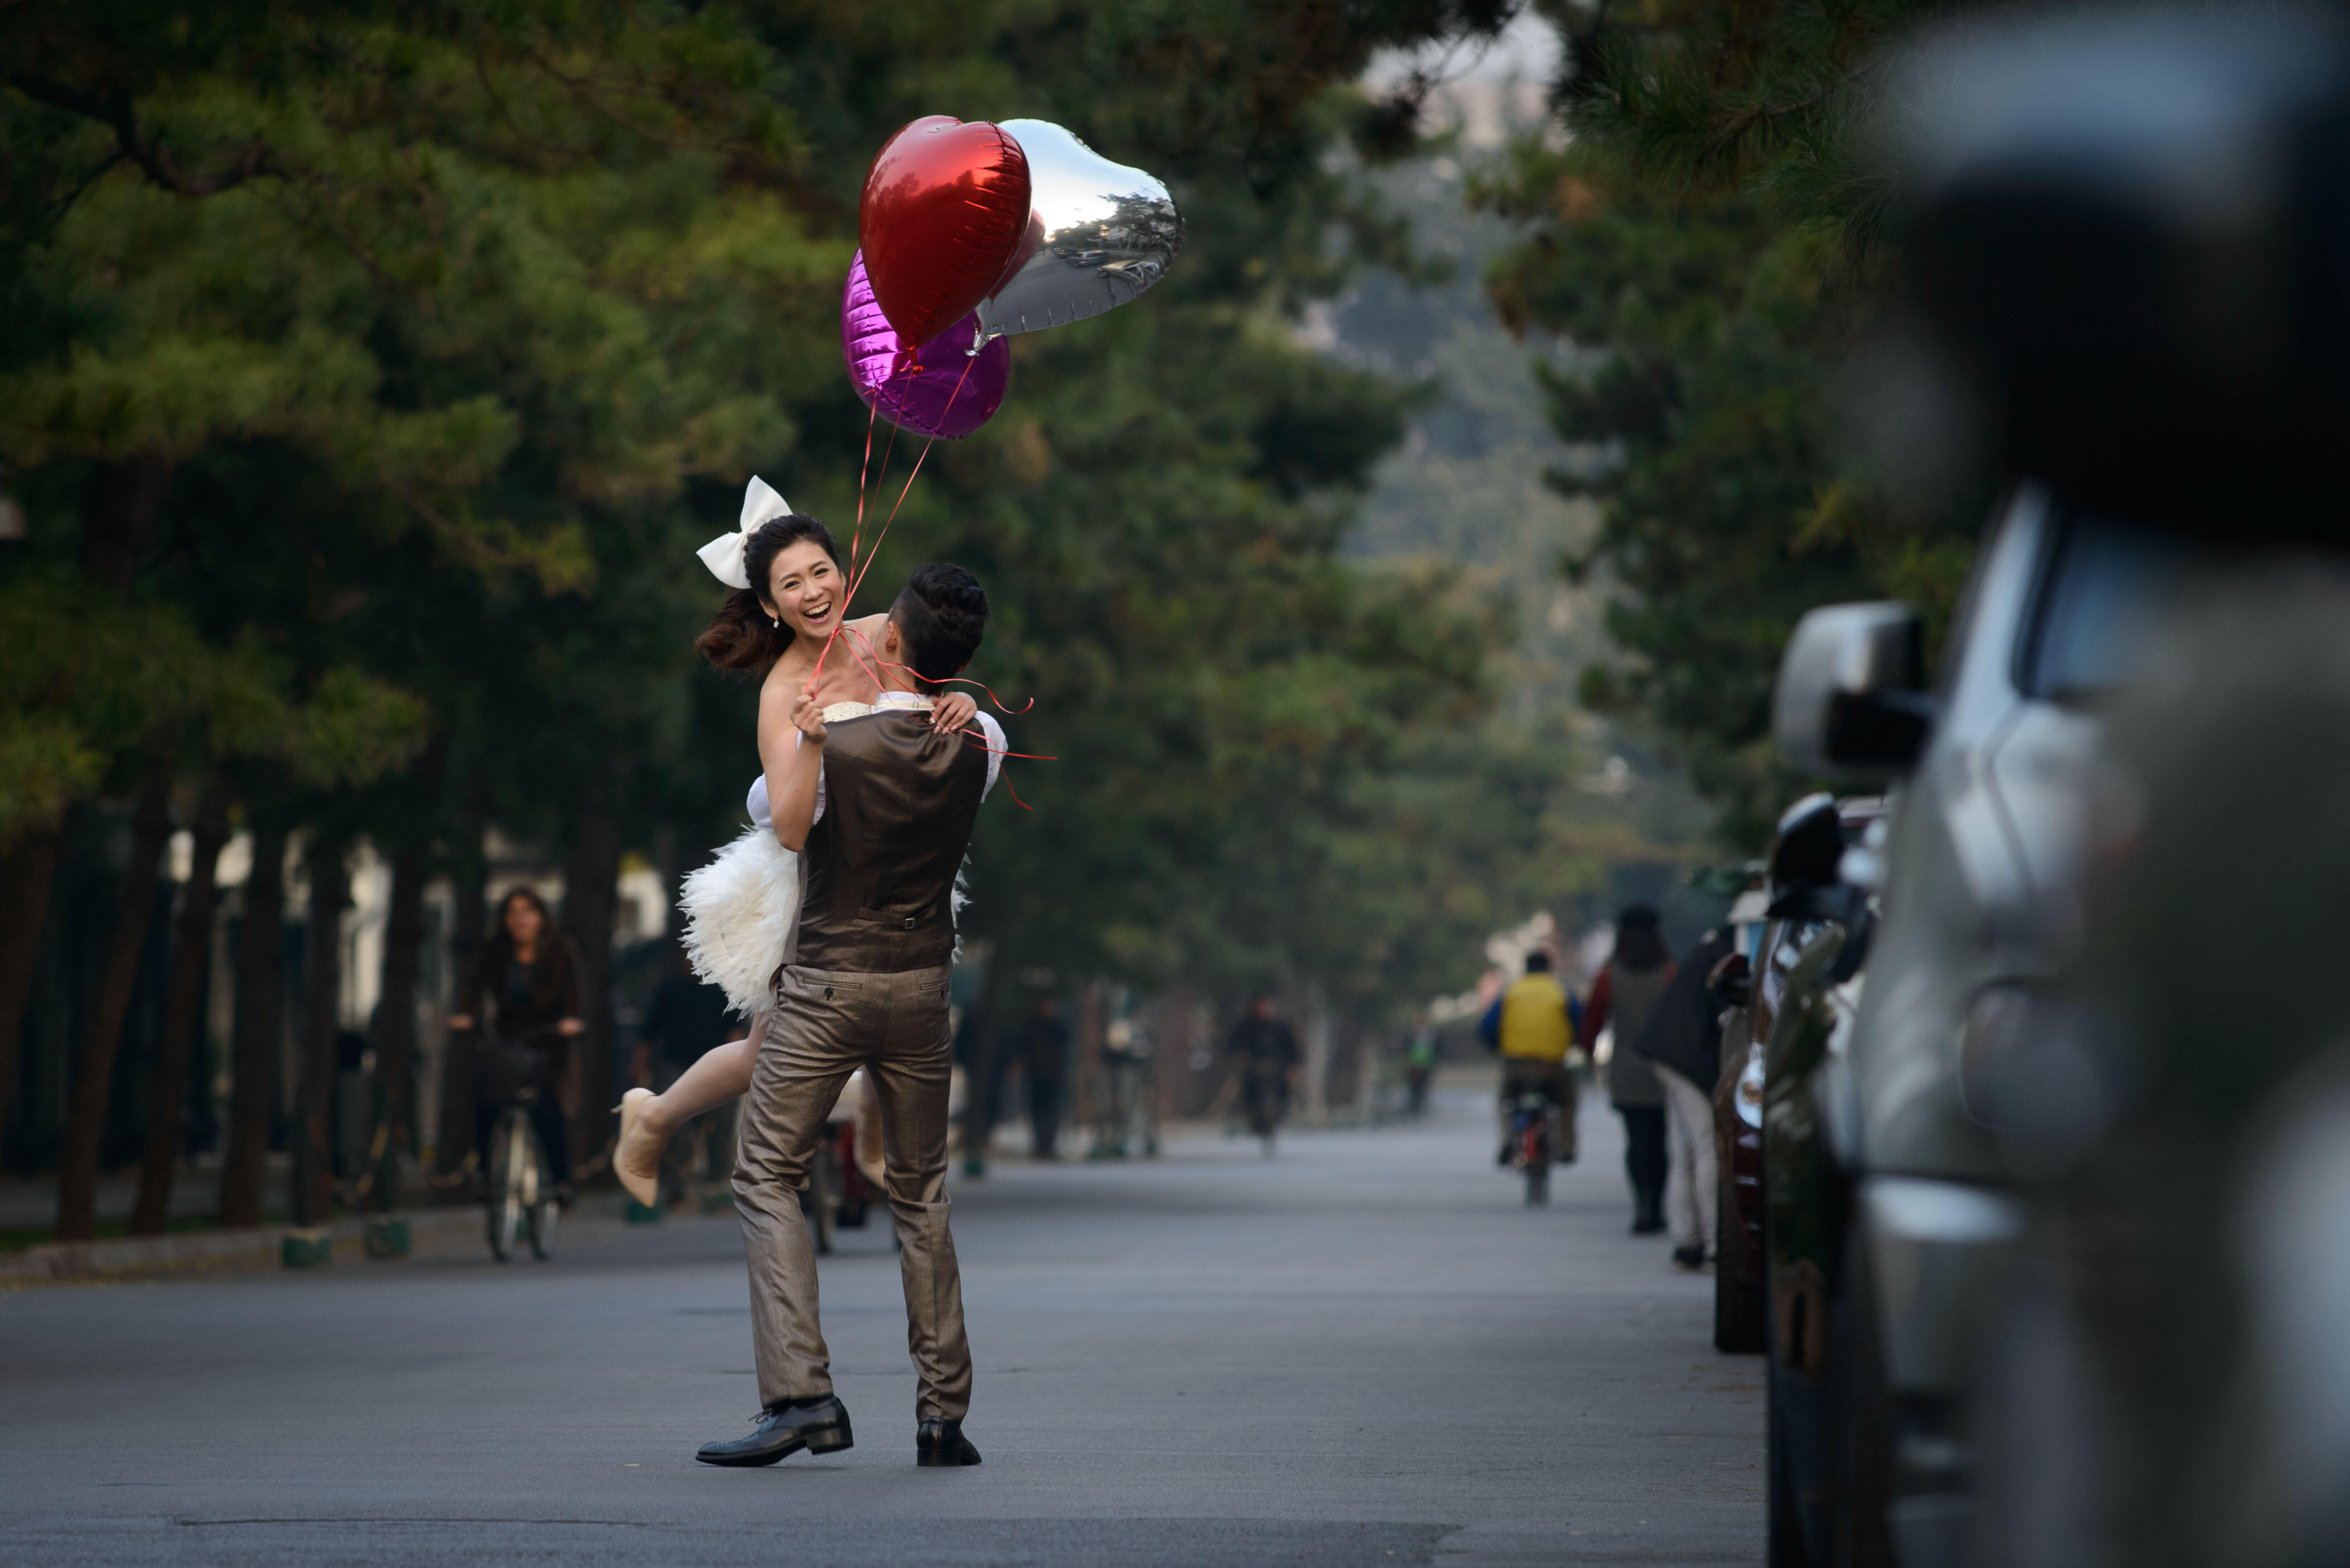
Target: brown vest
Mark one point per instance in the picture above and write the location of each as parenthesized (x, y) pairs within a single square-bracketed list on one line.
[(878, 875)]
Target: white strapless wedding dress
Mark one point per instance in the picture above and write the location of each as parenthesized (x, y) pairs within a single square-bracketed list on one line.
[(741, 909)]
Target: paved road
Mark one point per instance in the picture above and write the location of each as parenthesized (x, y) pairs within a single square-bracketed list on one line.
[(1365, 1351)]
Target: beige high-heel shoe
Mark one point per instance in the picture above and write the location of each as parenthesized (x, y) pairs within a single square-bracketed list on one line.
[(637, 1159)]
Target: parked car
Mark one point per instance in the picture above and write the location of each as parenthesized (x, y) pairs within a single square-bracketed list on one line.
[(2067, 257), (1804, 896), (1739, 1315)]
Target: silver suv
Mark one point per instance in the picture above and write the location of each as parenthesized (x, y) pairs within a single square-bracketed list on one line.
[(1911, 1231)]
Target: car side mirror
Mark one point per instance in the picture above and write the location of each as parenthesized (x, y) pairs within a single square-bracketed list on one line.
[(1806, 866), (1852, 700)]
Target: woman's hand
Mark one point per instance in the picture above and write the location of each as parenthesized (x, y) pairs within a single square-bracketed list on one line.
[(570, 1026), (954, 711), (808, 716), (461, 1021)]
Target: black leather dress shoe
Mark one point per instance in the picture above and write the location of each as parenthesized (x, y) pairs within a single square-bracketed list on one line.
[(819, 1426), (942, 1442)]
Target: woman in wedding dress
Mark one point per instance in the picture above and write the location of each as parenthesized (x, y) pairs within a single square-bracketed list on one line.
[(741, 907)]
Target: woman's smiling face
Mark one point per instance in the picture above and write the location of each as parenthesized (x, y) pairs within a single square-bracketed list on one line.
[(804, 589)]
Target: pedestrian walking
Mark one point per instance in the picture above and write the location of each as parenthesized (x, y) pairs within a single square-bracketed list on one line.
[(1419, 1055), (685, 1020), (1041, 1047), (1682, 1040), (1626, 993), (1267, 1049), (1129, 1098)]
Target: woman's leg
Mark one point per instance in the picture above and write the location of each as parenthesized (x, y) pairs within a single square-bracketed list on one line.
[(720, 1074)]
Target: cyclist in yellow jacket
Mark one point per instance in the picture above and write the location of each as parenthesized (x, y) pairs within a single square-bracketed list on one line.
[(1532, 1024)]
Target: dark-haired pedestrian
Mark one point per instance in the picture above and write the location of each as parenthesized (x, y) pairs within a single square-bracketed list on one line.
[(1626, 993)]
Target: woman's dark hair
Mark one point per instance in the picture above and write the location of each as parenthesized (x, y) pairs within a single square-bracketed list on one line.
[(502, 939), (742, 635), (1639, 947), (943, 614)]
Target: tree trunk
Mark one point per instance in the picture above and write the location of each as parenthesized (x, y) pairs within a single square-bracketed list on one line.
[(25, 872), (260, 1027), (151, 831), (453, 1137), (192, 948), (122, 515), (395, 1015), (591, 882), (330, 894)]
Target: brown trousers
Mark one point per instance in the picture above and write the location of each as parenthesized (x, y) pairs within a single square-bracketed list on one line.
[(824, 1026)]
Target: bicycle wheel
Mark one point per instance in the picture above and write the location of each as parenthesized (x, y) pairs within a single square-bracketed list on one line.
[(535, 1193), (1537, 1160), (505, 1208)]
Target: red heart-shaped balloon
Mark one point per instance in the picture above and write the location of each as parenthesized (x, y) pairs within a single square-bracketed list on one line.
[(946, 204)]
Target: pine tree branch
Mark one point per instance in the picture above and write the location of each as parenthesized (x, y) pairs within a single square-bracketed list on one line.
[(156, 161)]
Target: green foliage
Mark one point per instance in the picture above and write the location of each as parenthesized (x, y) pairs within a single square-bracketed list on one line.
[(459, 326), (1708, 241)]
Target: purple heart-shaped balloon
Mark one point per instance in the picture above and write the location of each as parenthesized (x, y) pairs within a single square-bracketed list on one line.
[(937, 389)]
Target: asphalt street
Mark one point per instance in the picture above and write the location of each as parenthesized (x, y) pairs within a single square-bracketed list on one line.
[(1367, 1351)]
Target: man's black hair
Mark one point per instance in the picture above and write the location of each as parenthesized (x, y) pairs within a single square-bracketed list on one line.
[(1538, 963), (941, 614)]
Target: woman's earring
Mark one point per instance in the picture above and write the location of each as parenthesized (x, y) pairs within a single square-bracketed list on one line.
[(775, 621)]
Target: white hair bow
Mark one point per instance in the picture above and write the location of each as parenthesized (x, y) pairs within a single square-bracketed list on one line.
[(723, 555)]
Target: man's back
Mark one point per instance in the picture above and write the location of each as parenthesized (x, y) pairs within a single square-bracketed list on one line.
[(900, 799)]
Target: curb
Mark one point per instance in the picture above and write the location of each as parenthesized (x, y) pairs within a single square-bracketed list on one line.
[(430, 1231)]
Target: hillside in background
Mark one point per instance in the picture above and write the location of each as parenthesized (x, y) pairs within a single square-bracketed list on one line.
[(1467, 488)]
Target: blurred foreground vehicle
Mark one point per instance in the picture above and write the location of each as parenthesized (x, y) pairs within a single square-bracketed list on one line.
[(2088, 1133)]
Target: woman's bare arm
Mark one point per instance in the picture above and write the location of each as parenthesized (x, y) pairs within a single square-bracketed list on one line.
[(779, 744), (795, 804)]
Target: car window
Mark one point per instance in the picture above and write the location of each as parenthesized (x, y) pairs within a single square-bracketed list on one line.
[(2107, 584)]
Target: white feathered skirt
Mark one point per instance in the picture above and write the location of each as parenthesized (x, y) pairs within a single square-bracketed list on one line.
[(740, 911)]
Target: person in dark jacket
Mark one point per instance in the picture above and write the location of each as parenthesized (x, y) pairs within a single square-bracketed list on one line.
[(1267, 1048), (1626, 993), (523, 992), (1683, 1040), (1042, 1049)]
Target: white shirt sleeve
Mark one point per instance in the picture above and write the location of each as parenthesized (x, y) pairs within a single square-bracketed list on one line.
[(996, 746)]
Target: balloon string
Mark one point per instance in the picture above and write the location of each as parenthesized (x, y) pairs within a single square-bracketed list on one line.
[(980, 736), (859, 567), (864, 466), (879, 479), (961, 681), (875, 553)]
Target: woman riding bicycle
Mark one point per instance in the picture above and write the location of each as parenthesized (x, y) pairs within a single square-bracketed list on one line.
[(525, 981)]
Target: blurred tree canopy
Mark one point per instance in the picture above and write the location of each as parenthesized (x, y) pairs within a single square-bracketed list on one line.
[(371, 371), (1707, 236)]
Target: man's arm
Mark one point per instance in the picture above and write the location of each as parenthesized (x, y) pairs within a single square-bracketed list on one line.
[(794, 804)]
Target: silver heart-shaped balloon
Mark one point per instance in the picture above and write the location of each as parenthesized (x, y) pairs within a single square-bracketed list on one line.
[(1098, 235)]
